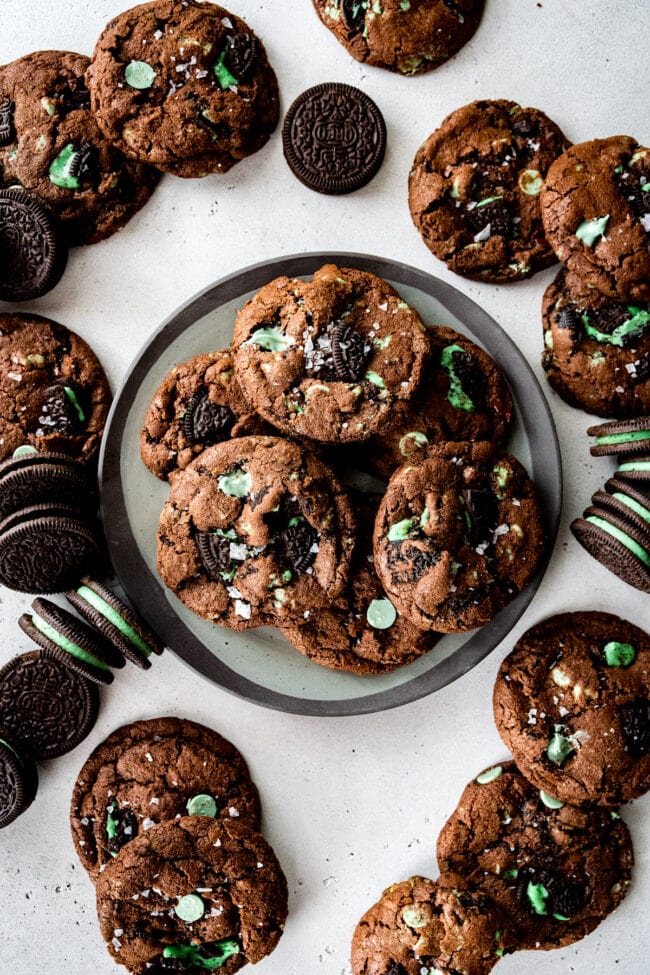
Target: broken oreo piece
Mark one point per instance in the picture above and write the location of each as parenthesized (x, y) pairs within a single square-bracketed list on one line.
[(241, 55), (206, 422), (349, 352)]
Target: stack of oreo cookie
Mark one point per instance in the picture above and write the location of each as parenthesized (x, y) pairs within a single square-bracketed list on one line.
[(256, 441), (166, 819)]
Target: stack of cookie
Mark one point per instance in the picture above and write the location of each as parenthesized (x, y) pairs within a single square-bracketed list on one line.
[(536, 853), (259, 530), (165, 819)]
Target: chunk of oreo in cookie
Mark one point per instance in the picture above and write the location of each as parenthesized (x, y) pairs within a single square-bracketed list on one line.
[(205, 421)]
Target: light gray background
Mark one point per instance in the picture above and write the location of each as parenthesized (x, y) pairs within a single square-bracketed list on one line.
[(351, 805)]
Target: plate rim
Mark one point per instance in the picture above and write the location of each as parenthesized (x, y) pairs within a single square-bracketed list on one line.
[(146, 592)]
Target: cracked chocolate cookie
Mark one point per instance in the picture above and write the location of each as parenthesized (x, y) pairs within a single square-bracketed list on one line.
[(186, 87), (474, 190), (198, 403), (329, 358), (50, 144), (256, 531), (555, 870), (596, 350), (361, 631), (192, 895), (409, 38), (420, 927), (458, 536), (596, 212), (464, 397), (54, 394), (151, 771), (571, 703)]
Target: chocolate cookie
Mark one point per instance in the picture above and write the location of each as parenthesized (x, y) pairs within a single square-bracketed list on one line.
[(18, 780), (596, 212), (191, 895), (334, 138), (151, 771), (50, 143), (596, 351), (409, 38), (361, 631), (33, 477), (627, 438), (474, 190), (54, 394), (32, 252), (46, 708), (256, 531), (329, 358), (458, 536), (198, 403), (422, 926), (621, 546), (464, 397), (185, 87), (555, 870), (571, 702)]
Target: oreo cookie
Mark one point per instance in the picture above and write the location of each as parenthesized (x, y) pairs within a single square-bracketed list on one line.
[(630, 495), (32, 477), (116, 621), (47, 708), (334, 138), (621, 547), (33, 255), (18, 780), (625, 508), (73, 643), (626, 438), (636, 470)]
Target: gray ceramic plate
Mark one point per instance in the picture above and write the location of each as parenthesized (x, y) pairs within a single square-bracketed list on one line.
[(258, 664)]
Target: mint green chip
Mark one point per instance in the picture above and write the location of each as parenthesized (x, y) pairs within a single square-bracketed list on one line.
[(225, 77), (619, 654), (401, 529), (590, 231), (550, 801), (62, 169), (559, 747), (236, 485), (202, 805), (381, 614), (25, 450), (190, 908), (490, 775), (537, 895), (270, 339), (139, 74)]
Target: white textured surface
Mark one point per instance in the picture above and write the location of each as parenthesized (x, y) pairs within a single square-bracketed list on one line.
[(350, 805)]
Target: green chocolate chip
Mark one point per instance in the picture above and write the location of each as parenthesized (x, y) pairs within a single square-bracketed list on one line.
[(236, 485), (111, 821), (455, 394), (223, 75), (65, 644), (381, 614), (112, 615), (622, 537), (72, 396), (590, 230), (537, 895), (633, 327), (490, 775), (270, 339), (375, 379), (25, 450), (190, 908), (196, 956), (202, 805), (139, 74), (511, 874), (640, 509), (502, 475), (531, 182), (550, 801), (401, 529), (488, 199), (62, 169), (414, 917), (619, 654), (559, 747), (416, 438)]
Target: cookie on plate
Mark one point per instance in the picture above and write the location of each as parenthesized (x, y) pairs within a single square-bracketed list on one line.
[(54, 394), (420, 925), (458, 536), (596, 350), (198, 403), (464, 397), (34, 254), (257, 531), (571, 703), (18, 780), (409, 38), (50, 144), (474, 190), (555, 870), (361, 631), (329, 358), (151, 771), (185, 87), (189, 891), (596, 212)]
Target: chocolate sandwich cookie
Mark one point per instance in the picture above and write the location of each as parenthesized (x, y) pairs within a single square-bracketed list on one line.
[(630, 512), (198, 403), (409, 38), (636, 471), (464, 397), (571, 702), (630, 496), (474, 190), (619, 545), (626, 438), (256, 532), (361, 631), (186, 87), (46, 707), (554, 870), (33, 254), (596, 350), (31, 477), (152, 771), (596, 213), (116, 621), (194, 894), (457, 536), (54, 394), (64, 637), (334, 138), (420, 926), (329, 358), (18, 780), (51, 145)]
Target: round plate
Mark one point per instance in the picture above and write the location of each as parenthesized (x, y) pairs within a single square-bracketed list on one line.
[(259, 664)]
